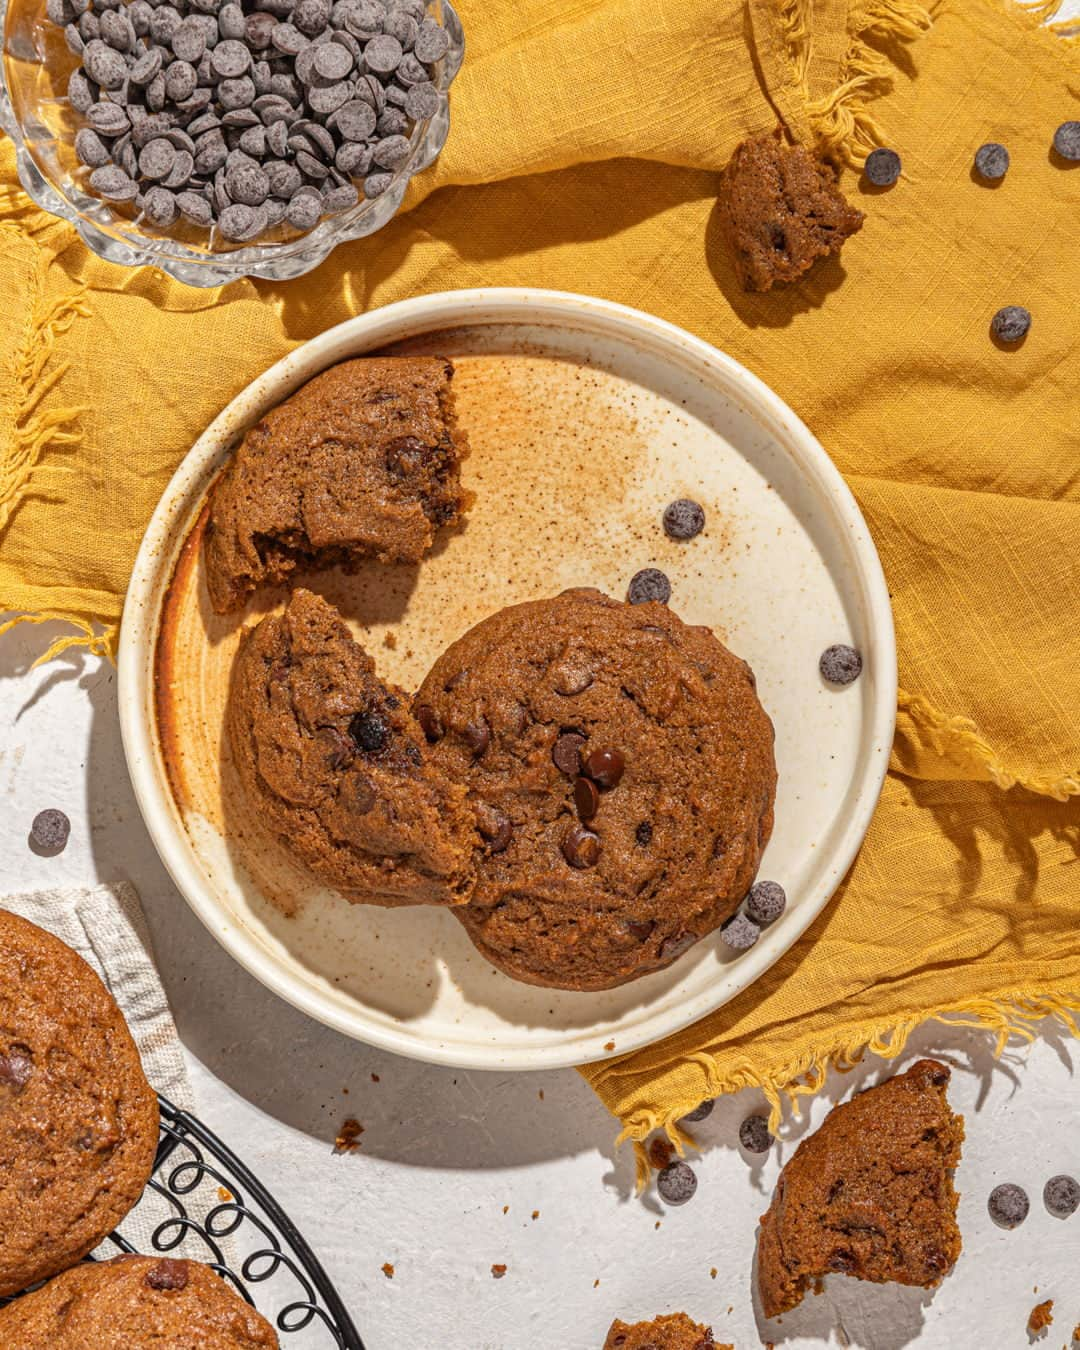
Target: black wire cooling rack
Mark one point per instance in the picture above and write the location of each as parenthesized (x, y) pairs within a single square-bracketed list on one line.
[(203, 1203)]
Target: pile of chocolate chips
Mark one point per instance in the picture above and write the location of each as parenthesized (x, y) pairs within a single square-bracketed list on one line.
[(245, 115)]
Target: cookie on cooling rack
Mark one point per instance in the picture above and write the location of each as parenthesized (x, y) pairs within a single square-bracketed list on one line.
[(78, 1120), (621, 769), (362, 462), (132, 1302)]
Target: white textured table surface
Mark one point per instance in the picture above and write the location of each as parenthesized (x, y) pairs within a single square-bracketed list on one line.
[(444, 1152)]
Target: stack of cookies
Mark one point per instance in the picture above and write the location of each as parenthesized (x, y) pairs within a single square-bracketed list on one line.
[(586, 784), (78, 1138)]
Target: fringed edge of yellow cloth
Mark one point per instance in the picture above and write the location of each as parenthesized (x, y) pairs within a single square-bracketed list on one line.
[(33, 431), (840, 121), (959, 740), (1013, 1016), (99, 640)]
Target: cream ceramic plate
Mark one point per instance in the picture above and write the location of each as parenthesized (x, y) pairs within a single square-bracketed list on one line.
[(585, 420)]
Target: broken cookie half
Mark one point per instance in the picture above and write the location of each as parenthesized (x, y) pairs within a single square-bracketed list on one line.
[(331, 761), (781, 211), (869, 1195)]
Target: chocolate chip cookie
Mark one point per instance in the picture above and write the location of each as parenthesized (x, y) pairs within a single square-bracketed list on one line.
[(78, 1120), (673, 1332), (870, 1194), (132, 1302), (331, 760), (362, 462), (621, 770), (781, 210)]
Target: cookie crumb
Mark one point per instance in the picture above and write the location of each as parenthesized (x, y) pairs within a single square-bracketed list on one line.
[(541, 1094), (388, 1270), (1041, 1316), (657, 1224), (224, 1194), (660, 1153), (610, 1045), (712, 1273), (375, 1078), (390, 641), (348, 1137), (497, 1272), (506, 1209), (536, 1213), (596, 1284)]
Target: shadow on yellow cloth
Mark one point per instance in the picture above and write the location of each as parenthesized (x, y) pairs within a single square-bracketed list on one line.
[(586, 141)]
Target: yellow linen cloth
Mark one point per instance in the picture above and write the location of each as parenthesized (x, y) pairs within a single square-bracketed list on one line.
[(585, 144)]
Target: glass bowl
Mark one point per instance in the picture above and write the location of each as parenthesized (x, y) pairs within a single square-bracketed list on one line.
[(36, 115)]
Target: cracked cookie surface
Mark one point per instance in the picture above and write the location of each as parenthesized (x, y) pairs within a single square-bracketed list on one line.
[(621, 769), (333, 763), (361, 462), (781, 210), (78, 1120), (135, 1301), (870, 1194)]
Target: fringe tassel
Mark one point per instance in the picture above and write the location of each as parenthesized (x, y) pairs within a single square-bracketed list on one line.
[(99, 640), (841, 122), (958, 739), (32, 431), (1011, 1017)]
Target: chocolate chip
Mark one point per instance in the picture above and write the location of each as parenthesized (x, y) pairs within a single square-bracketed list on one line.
[(167, 1274), (371, 732), (643, 834), (1061, 1196), (580, 847), (674, 947), (649, 584), (766, 902), (740, 933), (1008, 1205), (754, 1134), (882, 167), (991, 161), (566, 753), (676, 1183), (840, 664), (494, 825), (842, 1261), (605, 767), (702, 1112), (1011, 323), (430, 722), (15, 1069), (477, 736), (50, 830), (684, 519), (642, 929), (572, 678), (586, 798), (1067, 140)]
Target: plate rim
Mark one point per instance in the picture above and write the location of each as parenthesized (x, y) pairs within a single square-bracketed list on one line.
[(158, 549)]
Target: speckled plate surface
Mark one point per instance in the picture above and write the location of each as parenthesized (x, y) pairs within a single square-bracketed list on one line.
[(585, 419)]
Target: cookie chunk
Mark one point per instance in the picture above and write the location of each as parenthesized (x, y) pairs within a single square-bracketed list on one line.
[(621, 769), (362, 462), (781, 210), (331, 761), (870, 1194), (135, 1301), (78, 1120), (673, 1332)]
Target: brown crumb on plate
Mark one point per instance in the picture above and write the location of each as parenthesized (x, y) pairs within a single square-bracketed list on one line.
[(610, 1045), (712, 1273), (348, 1137), (388, 1270), (536, 1213), (1041, 1316), (375, 1078), (497, 1272)]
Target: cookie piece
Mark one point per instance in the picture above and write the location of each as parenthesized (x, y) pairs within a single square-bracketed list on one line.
[(78, 1120), (675, 1331), (331, 761), (135, 1301), (362, 462), (870, 1194), (622, 772), (781, 210)]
